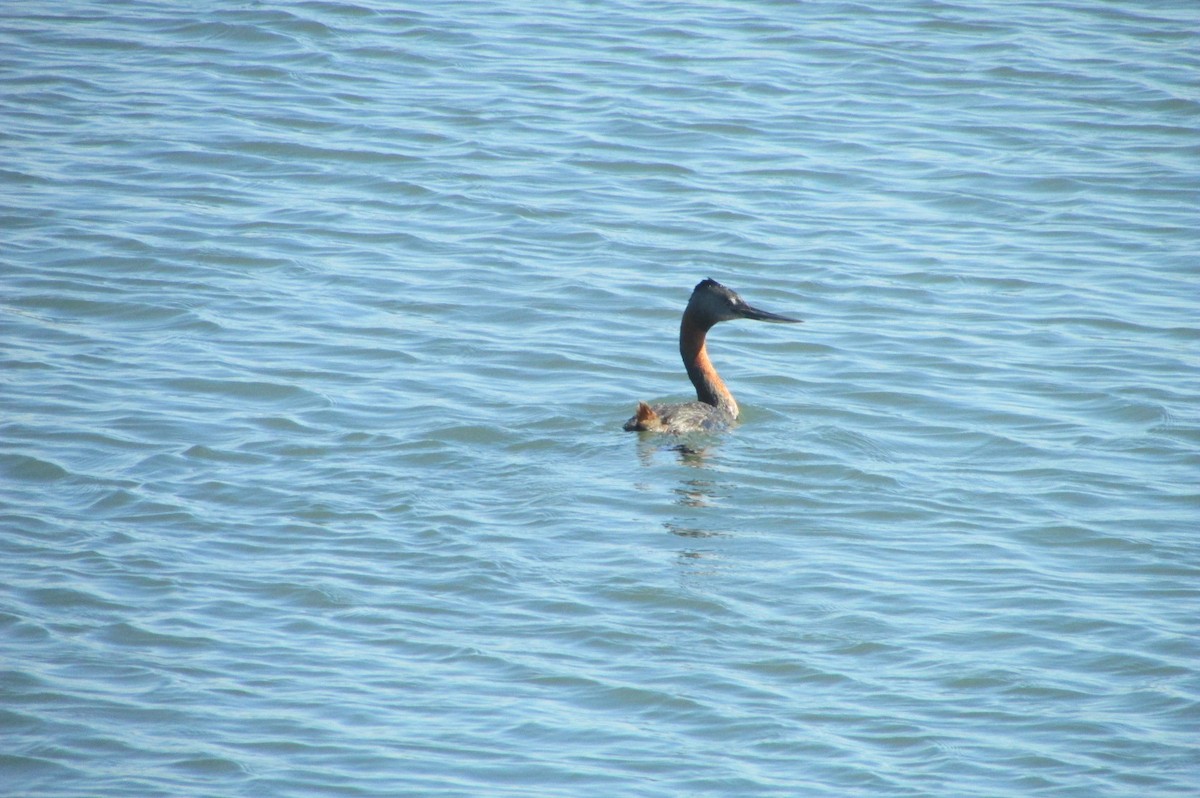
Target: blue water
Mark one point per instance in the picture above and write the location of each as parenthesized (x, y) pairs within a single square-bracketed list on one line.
[(319, 322)]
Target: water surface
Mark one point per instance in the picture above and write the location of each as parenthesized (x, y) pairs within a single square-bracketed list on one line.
[(319, 323)]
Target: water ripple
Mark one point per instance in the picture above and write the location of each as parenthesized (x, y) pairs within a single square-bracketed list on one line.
[(321, 321)]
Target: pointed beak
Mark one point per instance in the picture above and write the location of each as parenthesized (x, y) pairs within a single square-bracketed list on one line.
[(762, 315)]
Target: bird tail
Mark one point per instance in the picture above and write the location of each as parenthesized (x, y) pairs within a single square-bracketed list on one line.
[(644, 419)]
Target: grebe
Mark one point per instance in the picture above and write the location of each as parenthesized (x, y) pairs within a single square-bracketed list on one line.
[(715, 409)]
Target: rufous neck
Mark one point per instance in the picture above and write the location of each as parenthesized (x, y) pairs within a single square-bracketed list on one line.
[(710, 389)]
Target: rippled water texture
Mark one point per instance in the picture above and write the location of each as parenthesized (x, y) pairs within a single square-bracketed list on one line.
[(319, 322)]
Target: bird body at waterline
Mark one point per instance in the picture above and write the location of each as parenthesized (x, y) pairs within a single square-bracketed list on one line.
[(715, 407)]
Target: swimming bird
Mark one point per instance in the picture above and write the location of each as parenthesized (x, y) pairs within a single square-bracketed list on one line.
[(715, 407)]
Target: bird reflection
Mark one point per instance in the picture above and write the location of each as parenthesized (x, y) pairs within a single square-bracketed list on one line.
[(695, 493), (696, 490), (691, 532), (694, 454)]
